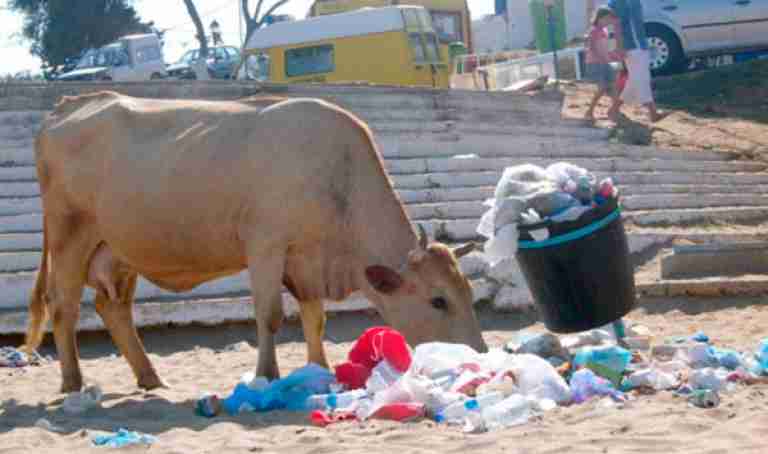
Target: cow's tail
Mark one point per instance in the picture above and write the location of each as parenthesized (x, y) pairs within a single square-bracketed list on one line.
[(38, 307)]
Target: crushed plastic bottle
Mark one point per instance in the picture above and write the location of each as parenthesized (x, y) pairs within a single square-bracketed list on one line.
[(333, 401), (652, 378), (458, 411), (512, 411), (382, 377)]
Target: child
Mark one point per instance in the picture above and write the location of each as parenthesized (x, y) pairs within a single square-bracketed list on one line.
[(599, 58)]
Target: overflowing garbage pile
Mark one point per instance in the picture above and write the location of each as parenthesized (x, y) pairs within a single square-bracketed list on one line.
[(529, 195), (15, 358), (453, 384)]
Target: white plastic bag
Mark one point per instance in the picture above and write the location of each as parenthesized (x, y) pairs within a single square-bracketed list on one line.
[(438, 358)]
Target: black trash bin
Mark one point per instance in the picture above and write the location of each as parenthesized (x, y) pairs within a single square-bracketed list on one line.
[(580, 276)]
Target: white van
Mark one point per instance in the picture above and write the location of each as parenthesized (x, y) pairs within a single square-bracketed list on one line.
[(132, 58)]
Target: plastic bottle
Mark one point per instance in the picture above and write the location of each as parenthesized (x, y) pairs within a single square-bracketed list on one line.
[(459, 410), (334, 400), (512, 411)]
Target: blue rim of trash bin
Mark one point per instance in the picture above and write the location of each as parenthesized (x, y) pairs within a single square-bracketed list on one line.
[(574, 235)]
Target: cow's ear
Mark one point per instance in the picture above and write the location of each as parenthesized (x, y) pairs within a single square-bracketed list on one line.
[(383, 279)]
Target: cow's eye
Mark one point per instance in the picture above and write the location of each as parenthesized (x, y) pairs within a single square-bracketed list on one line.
[(439, 303)]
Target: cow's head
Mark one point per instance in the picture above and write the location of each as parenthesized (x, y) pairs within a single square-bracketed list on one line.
[(429, 299)]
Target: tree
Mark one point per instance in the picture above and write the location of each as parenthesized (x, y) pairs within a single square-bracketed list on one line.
[(201, 66), (59, 30), (257, 20)]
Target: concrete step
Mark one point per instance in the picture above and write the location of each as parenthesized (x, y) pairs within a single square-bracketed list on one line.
[(484, 192), (680, 217), (457, 221), (395, 147), (17, 286), (488, 147), (13, 262), (555, 130), (17, 174), (21, 242), (475, 209), (17, 189), (491, 178), (639, 182), (618, 165), (15, 206)]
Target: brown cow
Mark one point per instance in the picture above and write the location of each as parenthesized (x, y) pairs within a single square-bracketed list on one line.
[(183, 192)]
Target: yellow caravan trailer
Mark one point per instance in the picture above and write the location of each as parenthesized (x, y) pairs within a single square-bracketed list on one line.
[(394, 45), (450, 18)]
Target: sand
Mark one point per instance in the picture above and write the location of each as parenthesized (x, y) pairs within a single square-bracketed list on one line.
[(193, 360)]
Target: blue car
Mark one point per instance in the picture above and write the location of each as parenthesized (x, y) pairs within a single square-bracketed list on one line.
[(222, 61)]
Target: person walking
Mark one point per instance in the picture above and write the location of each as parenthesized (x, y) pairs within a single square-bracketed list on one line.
[(632, 41), (599, 58)]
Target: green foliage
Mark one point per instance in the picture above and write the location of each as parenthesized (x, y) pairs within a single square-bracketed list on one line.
[(62, 29)]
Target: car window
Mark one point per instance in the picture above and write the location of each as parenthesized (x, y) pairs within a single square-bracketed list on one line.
[(433, 52), (220, 53), (309, 60), (147, 54), (233, 53), (417, 47)]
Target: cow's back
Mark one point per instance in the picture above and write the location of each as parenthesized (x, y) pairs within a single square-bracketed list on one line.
[(178, 187)]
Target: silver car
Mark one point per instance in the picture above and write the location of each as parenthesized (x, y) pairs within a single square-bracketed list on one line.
[(680, 29)]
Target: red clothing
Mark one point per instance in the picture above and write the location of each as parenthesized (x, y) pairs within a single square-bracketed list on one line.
[(597, 47)]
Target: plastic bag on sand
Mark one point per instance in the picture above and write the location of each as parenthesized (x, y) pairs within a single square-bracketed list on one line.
[(290, 392), (609, 362), (585, 384), (81, 402), (536, 377), (708, 378), (123, 438), (653, 378), (437, 359)]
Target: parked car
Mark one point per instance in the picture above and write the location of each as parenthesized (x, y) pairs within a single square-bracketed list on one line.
[(681, 29), (222, 61), (130, 59)]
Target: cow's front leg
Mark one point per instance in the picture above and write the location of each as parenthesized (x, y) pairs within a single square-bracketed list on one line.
[(313, 323), (118, 318), (266, 288)]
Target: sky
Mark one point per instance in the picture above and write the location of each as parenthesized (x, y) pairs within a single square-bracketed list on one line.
[(171, 15)]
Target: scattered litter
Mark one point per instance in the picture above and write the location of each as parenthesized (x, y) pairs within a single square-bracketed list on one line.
[(123, 438), (80, 402), (454, 384), (704, 398), (13, 357)]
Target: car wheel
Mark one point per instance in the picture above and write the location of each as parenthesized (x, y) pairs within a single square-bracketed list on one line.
[(666, 52)]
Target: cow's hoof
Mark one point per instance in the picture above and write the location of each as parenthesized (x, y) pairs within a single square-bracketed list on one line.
[(72, 386), (153, 383)]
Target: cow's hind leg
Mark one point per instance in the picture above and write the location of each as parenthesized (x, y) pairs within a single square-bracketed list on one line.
[(71, 246), (118, 318), (313, 322), (266, 273)]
